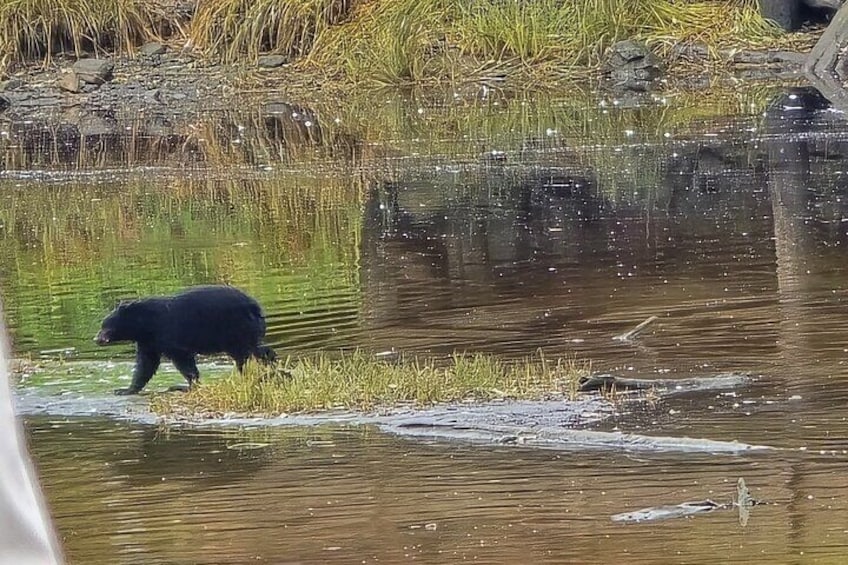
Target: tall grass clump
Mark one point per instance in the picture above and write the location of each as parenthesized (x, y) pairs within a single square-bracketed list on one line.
[(387, 42), (33, 29), (401, 41), (359, 381), (234, 29), (578, 32)]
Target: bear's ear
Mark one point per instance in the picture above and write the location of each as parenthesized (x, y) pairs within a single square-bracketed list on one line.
[(123, 304)]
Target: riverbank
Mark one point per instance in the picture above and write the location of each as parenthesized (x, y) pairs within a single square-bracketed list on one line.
[(167, 66)]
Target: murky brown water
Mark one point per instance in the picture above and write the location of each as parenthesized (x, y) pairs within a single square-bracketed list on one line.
[(731, 229), (124, 494)]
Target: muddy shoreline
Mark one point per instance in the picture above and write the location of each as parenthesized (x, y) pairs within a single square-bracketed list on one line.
[(165, 91)]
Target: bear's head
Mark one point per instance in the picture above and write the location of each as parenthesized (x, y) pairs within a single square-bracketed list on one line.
[(122, 324)]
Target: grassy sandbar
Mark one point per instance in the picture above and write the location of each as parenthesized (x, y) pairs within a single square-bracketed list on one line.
[(359, 381)]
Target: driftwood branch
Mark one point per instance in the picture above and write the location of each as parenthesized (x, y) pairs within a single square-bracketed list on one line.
[(627, 336)]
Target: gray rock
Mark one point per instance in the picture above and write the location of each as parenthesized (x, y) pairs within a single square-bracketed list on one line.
[(94, 71), (825, 4), (629, 50), (632, 66), (272, 61), (4, 102), (11, 84), (643, 75), (69, 82), (281, 108), (633, 54), (153, 48)]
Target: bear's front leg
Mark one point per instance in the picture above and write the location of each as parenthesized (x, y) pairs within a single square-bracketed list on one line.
[(146, 363)]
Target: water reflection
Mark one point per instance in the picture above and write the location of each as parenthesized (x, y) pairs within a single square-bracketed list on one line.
[(554, 246), (339, 496), (409, 235)]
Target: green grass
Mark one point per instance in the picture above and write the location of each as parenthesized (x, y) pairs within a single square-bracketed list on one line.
[(358, 381)]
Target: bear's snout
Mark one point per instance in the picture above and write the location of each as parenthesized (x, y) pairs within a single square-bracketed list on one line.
[(103, 338)]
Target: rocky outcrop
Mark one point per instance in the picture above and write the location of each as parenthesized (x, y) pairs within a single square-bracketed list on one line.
[(152, 49), (632, 66)]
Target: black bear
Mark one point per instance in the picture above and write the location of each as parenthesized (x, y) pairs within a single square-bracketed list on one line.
[(199, 320)]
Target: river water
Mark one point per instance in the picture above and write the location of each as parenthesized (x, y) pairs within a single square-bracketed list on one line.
[(498, 224)]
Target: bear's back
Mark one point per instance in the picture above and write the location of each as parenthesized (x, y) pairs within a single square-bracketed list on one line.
[(212, 319)]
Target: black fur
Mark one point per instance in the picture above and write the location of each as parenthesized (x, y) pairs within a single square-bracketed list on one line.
[(200, 320)]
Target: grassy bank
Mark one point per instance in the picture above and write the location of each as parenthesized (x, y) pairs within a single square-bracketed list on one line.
[(358, 381), (386, 41)]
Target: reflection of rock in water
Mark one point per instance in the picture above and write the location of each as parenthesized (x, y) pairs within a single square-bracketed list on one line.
[(497, 222), (428, 248), (278, 132), (795, 160)]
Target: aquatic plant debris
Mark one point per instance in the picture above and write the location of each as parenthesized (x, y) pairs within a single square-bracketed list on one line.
[(629, 335), (743, 503)]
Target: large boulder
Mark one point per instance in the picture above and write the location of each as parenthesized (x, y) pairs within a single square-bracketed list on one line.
[(631, 65), (94, 71)]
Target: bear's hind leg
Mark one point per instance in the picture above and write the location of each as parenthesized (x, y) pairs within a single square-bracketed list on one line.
[(265, 354), (240, 359), (186, 365), (146, 363)]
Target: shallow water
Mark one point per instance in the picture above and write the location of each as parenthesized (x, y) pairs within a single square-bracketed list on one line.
[(410, 233), (128, 494)]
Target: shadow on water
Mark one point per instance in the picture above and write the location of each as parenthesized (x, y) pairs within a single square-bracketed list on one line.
[(501, 225)]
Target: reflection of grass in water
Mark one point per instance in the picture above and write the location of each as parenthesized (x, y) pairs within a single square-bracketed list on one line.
[(363, 132), (358, 381), (624, 148), (508, 121), (71, 251)]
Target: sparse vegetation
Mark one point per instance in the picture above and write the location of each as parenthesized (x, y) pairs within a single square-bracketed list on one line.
[(360, 381)]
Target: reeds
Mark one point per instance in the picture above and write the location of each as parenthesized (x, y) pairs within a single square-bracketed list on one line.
[(239, 29), (34, 29)]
